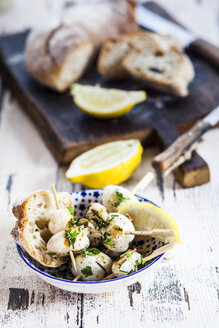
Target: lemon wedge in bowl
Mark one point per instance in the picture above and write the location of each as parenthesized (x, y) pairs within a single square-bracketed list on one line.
[(105, 103), (148, 217), (110, 163)]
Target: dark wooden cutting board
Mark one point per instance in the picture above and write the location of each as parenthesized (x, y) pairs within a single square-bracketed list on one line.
[(68, 131)]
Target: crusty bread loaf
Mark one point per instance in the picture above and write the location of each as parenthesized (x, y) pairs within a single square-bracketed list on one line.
[(169, 71), (31, 228), (57, 65), (115, 50), (59, 56)]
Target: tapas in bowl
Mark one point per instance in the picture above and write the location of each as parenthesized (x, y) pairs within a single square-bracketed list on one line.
[(94, 240)]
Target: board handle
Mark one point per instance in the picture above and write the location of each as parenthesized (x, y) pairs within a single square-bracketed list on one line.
[(165, 159), (206, 50)]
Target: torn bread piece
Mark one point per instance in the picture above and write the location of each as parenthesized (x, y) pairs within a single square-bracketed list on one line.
[(31, 229), (169, 72), (115, 50)]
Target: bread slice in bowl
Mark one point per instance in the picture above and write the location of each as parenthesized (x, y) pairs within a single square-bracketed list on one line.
[(31, 229), (170, 72)]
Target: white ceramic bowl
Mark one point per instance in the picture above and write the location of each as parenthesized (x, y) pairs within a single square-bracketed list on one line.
[(82, 201)]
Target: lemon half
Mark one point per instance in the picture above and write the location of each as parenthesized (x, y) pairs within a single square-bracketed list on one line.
[(148, 217), (105, 103), (110, 163)]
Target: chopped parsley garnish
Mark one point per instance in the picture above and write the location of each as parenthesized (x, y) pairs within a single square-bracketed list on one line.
[(91, 252), (71, 210), (124, 254), (107, 240), (52, 254), (135, 268), (142, 264), (102, 267), (72, 235), (74, 220), (120, 197), (135, 265), (113, 216), (101, 223), (87, 271), (118, 228), (105, 235), (129, 257), (124, 271)]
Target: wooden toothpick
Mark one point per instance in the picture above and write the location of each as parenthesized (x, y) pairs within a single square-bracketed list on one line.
[(110, 276), (144, 182), (160, 251), (73, 260), (153, 233), (55, 196), (78, 277), (58, 207)]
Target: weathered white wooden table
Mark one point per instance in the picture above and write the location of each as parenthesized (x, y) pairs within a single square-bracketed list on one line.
[(182, 290)]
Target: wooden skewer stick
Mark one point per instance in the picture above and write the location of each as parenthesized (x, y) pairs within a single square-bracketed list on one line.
[(160, 251), (155, 253), (73, 260), (77, 277), (58, 207), (109, 276), (153, 233), (144, 182), (55, 195)]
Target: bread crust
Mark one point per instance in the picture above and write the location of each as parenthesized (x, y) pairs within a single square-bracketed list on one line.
[(21, 230)]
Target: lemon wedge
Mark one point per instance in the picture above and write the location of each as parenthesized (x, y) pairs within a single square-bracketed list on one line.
[(105, 103), (110, 163), (148, 217)]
